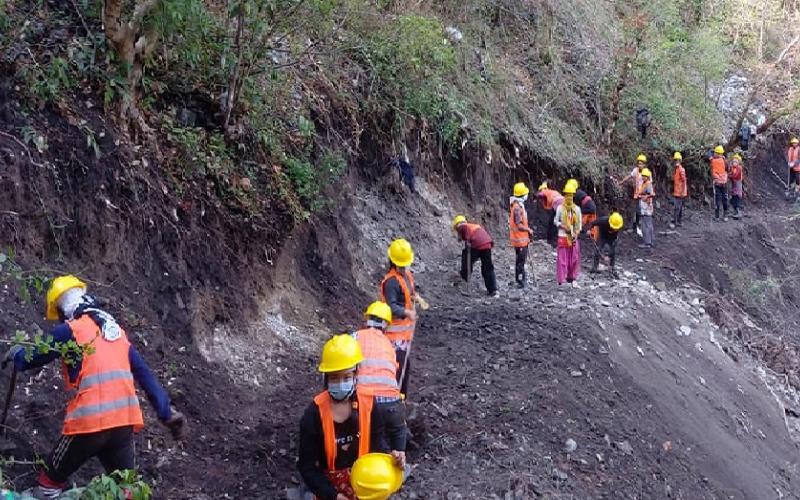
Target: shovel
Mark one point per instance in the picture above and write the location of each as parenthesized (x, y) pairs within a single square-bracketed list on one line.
[(530, 267)]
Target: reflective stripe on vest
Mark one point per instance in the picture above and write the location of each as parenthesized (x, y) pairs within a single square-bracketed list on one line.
[(377, 374), (518, 238), (106, 396), (364, 408), (401, 328)]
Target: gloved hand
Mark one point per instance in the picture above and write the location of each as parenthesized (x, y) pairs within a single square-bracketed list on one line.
[(176, 425), (10, 355)]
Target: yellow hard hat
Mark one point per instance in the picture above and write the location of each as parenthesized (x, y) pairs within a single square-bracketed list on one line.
[(458, 219), (737, 157), (642, 158), (719, 150), (375, 476), (646, 172), (400, 253), (520, 189), (542, 186), (572, 183), (570, 188), (57, 289), (380, 310), (795, 140), (677, 156), (615, 221), (340, 353)]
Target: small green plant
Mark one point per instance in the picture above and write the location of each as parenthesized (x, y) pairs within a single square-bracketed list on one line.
[(25, 280), (70, 352), (119, 485)]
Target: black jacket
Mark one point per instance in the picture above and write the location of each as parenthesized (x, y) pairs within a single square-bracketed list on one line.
[(607, 234), (311, 455)]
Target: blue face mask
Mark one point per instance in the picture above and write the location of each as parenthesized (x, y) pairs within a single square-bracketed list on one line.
[(342, 390)]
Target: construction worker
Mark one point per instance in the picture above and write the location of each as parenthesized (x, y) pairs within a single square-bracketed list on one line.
[(588, 209), (646, 208), (375, 476), (737, 185), (568, 221), (339, 426), (377, 376), (104, 413), (477, 245), (680, 189), (606, 244), (520, 233), (549, 200), (636, 177), (719, 178), (793, 162), (398, 290)]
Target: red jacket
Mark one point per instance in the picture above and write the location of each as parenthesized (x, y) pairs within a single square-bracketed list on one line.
[(476, 236)]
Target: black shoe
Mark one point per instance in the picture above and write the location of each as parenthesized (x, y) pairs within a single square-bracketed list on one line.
[(521, 285)]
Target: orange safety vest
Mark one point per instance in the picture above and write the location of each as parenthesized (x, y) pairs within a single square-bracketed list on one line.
[(519, 238), (718, 171), (679, 189), (401, 328), (377, 374), (550, 198), (363, 405), (106, 397), (793, 157)]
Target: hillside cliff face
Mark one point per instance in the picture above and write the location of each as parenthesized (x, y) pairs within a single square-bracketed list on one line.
[(237, 214)]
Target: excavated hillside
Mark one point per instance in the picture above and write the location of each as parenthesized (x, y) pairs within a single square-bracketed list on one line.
[(232, 241)]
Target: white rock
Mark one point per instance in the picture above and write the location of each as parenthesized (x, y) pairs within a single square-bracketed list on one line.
[(570, 445), (685, 330)]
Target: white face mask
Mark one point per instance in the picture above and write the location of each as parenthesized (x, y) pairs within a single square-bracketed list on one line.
[(69, 301), (342, 389)]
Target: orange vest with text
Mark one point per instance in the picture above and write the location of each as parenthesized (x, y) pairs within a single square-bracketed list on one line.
[(518, 233), (106, 397), (719, 172), (401, 328), (363, 405), (377, 374), (793, 157)]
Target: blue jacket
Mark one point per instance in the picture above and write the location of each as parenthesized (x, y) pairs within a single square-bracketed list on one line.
[(156, 394)]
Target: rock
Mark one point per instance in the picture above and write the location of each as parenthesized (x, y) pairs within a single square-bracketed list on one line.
[(560, 475), (660, 286), (570, 445), (454, 34), (576, 373), (684, 331), (625, 447), (696, 301)]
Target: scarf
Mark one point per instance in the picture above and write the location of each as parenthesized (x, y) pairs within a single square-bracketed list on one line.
[(108, 325)]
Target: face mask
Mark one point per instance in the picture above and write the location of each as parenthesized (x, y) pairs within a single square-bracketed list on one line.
[(342, 390)]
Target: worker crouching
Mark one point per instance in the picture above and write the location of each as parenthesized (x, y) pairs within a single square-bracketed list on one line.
[(608, 229)]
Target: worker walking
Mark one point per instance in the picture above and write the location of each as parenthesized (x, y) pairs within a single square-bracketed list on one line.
[(568, 221), (339, 425), (377, 376), (793, 163), (680, 189), (397, 289), (104, 412), (636, 177), (608, 229), (588, 209), (737, 185), (719, 178), (549, 201), (646, 208), (477, 246), (520, 233)]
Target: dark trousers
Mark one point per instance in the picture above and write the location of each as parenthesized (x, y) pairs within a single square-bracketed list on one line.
[(468, 258), (637, 213), (391, 426), (736, 203), (605, 247), (114, 448), (720, 200), (402, 376), (677, 213), (519, 266), (552, 230)]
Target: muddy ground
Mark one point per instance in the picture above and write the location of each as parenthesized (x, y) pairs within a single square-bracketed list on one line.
[(499, 385)]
